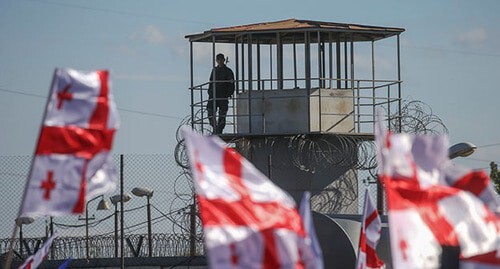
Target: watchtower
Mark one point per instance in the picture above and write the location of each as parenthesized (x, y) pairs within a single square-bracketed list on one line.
[(305, 100)]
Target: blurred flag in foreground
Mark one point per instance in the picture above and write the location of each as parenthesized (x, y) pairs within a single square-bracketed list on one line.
[(248, 221), (65, 264), (305, 213), (72, 162), (36, 259), (431, 204), (368, 239)]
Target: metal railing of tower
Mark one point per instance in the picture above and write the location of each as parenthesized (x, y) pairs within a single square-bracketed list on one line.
[(367, 94)]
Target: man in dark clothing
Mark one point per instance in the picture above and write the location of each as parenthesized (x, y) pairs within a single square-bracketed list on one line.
[(222, 84)]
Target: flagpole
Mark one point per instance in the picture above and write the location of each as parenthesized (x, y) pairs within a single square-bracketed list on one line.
[(122, 250), (14, 232), (12, 238), (380, 197)]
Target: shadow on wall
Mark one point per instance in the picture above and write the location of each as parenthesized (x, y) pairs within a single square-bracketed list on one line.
[(338, 236)]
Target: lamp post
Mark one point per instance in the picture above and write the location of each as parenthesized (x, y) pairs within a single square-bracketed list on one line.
[(462, 149), (115, 199), (148, 193), (20, 222), (103, 205)]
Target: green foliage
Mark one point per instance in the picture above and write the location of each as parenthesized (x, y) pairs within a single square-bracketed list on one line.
[(495, 176)]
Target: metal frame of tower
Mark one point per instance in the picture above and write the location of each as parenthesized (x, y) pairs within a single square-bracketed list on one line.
[(304, 89), (329, 41)]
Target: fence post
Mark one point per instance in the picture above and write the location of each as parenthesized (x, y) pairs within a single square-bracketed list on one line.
[(192, 236), (121, 214), (380, 198), (51, 232)]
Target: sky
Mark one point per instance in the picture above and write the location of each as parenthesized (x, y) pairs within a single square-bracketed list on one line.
[(450, 53)]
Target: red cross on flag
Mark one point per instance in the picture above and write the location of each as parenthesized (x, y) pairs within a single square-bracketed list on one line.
[(72, 161), (368, 239), (427, 208), (248, 221)]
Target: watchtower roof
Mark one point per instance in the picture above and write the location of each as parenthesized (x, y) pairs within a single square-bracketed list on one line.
[(292, 30)]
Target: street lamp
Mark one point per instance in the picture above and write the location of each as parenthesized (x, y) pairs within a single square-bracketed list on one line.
[(462, 149), (148, 193), (115, 199), (103, 205), (20, 222)]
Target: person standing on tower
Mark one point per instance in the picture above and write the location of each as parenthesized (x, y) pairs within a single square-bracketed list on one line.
[(222, 87)]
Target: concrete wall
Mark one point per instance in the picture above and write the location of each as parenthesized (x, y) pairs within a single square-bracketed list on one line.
[(294, 111), (278, 160), (283, 111), (337, 111), (338, 236)]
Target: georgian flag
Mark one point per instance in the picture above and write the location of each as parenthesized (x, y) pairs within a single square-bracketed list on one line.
[(426, 208), (371, 227), (248, 221), (430, 154), (72, 159), (36, 259), (305, 214), (473, 181)]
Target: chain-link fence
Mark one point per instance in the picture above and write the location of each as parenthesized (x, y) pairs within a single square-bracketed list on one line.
[(172, 215)]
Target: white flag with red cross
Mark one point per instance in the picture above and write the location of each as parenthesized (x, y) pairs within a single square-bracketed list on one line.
[(36, 259), (371, 227), (248, 221), (72, 159), (427, 209)]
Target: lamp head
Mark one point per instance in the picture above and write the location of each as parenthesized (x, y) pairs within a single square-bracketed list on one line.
[(463, 149), (115, 199), (24, 220), (141, 192), (103, 205)]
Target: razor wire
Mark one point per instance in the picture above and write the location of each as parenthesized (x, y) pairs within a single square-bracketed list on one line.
[(313, 153)]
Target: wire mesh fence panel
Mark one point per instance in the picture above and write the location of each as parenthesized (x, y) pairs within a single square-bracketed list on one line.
[(169, 217), (13, 174)]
